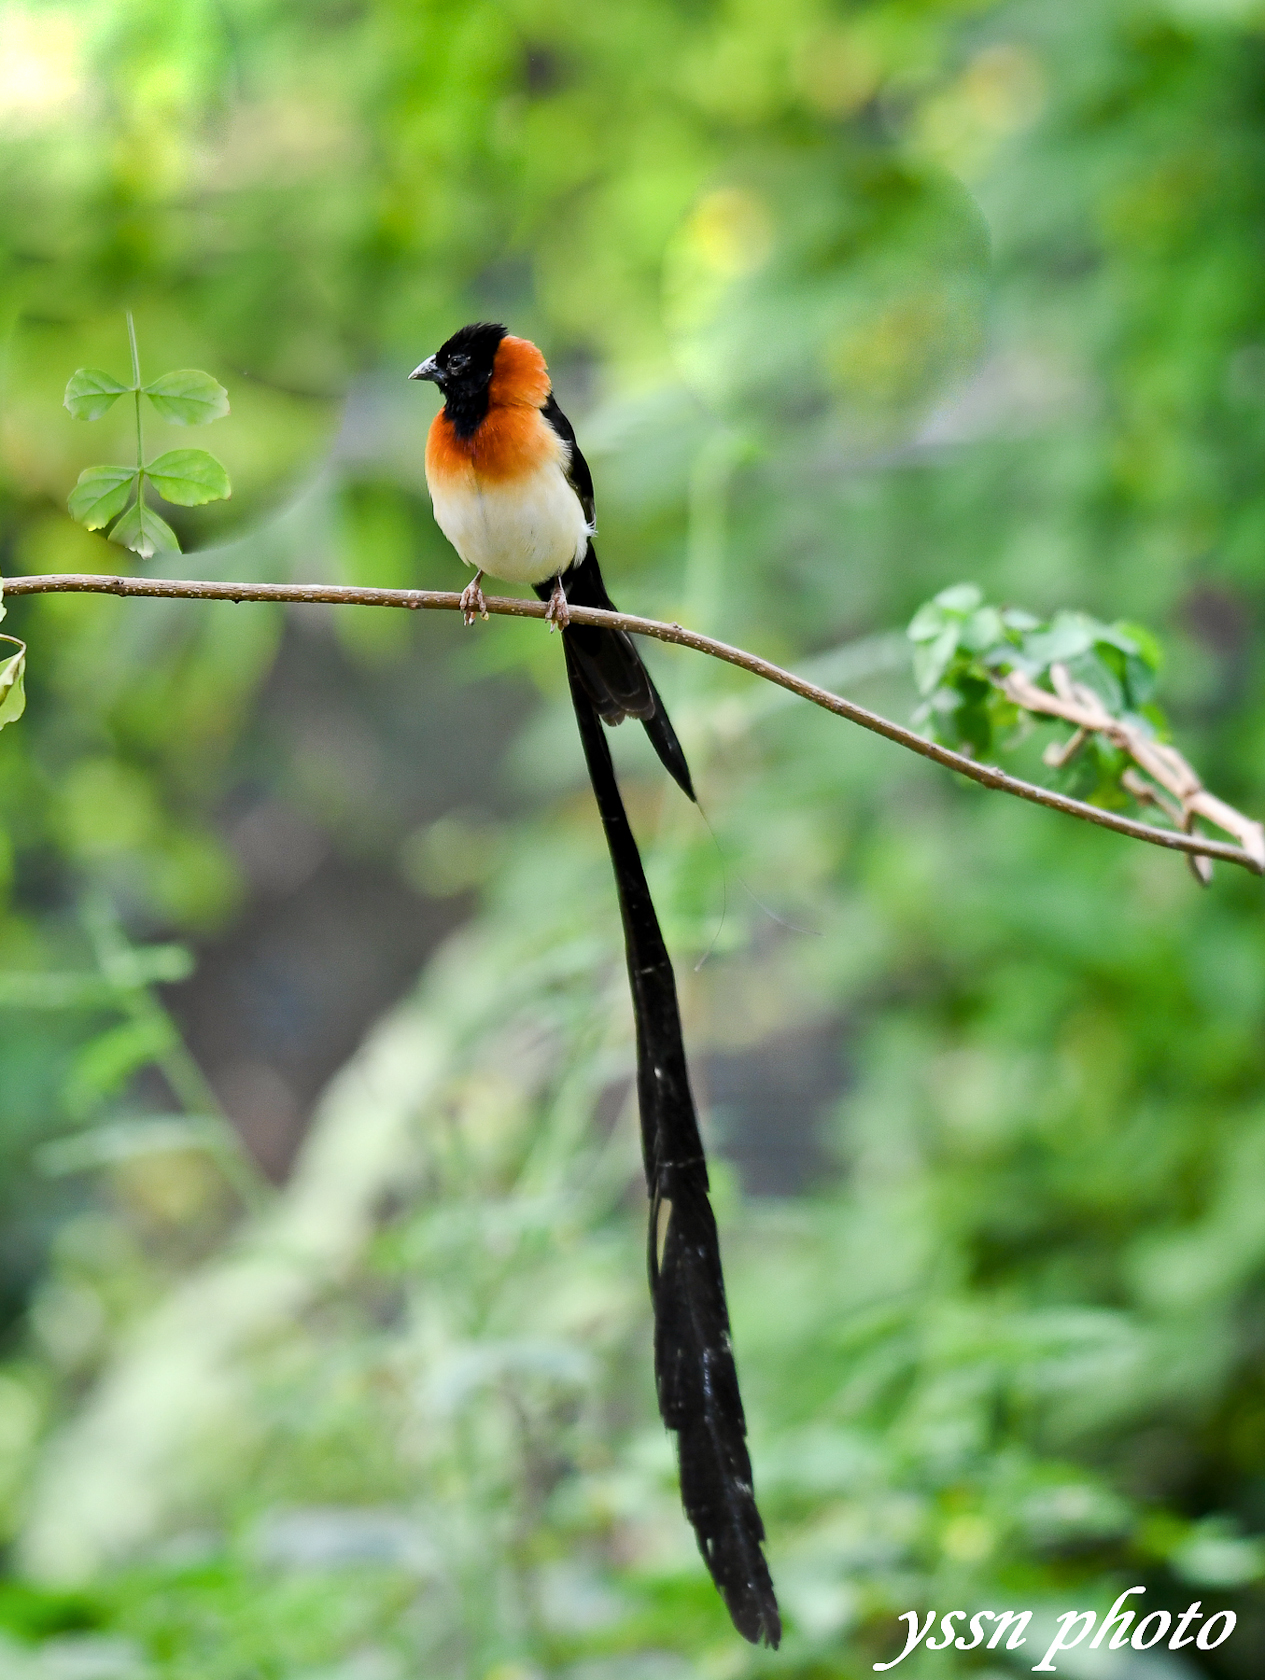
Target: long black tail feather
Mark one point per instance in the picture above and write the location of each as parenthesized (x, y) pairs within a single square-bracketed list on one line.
[(611, 672), (694, 1365)]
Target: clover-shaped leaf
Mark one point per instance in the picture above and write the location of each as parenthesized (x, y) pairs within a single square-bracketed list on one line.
[(189, 477), (188, 397), (100, 493), (141, 530), (91, 393)]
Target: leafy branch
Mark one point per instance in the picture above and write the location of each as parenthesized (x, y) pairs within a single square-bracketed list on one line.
[(434, 600), (186, 477), (987, 673), (1163, 764)]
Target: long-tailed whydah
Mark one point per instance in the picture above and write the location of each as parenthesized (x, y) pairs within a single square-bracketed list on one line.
[(514, 495)]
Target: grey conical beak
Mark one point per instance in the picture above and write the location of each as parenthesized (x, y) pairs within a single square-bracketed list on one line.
[(426, 370)]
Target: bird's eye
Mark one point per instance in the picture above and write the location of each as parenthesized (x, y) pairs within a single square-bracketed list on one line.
[(456, 363)]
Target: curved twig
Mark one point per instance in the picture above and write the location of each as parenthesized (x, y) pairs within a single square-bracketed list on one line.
[(435, 600)]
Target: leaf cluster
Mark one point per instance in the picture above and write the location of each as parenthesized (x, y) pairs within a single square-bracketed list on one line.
[(185, 477), (964, 647)]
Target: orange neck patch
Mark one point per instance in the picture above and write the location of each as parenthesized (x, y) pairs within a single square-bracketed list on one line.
[(520, 378)]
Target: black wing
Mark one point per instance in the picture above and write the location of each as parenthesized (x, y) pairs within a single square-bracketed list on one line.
[(578, 475), (694, 1368), (606, 661)]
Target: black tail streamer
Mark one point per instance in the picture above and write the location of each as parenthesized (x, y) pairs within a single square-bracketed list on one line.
[(611, 671), (693, 1356)]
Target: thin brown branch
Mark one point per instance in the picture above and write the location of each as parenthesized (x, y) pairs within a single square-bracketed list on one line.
[(428, 600)]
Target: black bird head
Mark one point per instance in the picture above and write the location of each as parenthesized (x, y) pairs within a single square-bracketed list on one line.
[(462, 368)]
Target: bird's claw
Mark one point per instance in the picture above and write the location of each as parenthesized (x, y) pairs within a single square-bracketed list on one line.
[(472, 601), (557, 613)]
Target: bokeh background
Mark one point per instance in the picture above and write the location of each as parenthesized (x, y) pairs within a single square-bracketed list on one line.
[(325, 1329)]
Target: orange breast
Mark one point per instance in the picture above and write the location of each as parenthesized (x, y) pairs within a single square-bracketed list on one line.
[(511, 443)]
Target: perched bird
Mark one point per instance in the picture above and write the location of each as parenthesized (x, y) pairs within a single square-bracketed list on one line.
[(514, 495)]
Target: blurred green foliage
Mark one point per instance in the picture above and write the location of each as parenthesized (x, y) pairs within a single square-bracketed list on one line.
[(847, 302)]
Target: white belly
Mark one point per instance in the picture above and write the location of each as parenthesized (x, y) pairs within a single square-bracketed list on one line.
[(524, 531)]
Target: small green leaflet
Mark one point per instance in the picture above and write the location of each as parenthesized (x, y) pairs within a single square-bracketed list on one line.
[(188, 397), (141, 530), (932, 659), (100, 493), (188, 477), (12, 687), (91, 393)]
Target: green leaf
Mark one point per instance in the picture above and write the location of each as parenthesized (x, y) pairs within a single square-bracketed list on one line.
[(931, 659), (141, 530), (1146, 647), (960, 598), (12, 685), (188, 397), (1015, 618), (1114, 635), (91, 393), (1155, 716), (982, 630), (189, 477), (100, 493), (1070, 634), (950, 606), (109, 1060), (927, 623), (1096, 674)]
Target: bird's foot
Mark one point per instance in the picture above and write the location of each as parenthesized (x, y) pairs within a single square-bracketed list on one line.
[(557, 613), (472, 600)]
